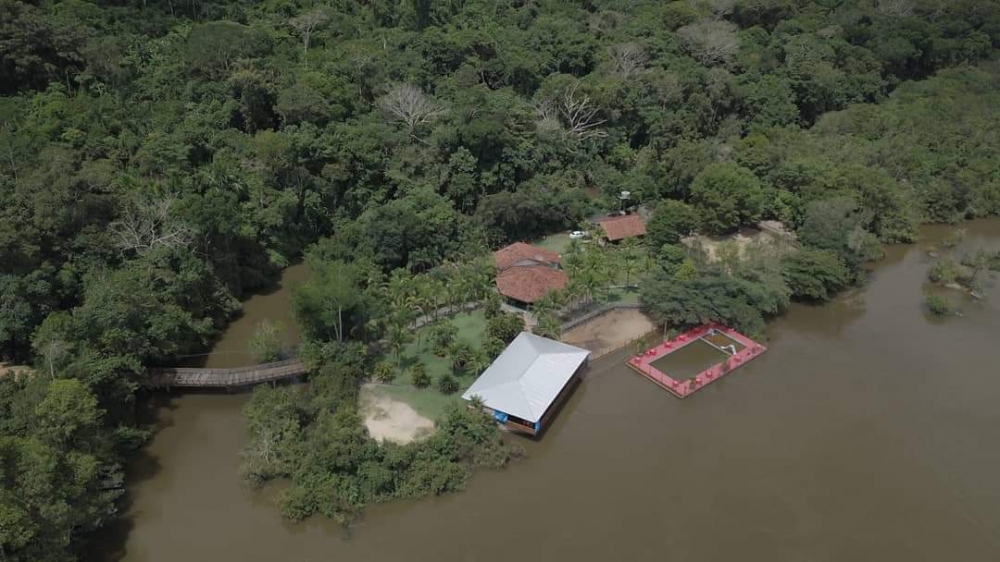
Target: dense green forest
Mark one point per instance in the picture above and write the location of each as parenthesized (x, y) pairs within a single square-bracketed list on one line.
[(158, 160)]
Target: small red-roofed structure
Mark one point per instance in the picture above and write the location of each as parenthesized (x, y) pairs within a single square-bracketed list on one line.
[(622, 227)]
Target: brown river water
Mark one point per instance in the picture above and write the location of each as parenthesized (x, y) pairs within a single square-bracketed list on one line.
[(869, 431)]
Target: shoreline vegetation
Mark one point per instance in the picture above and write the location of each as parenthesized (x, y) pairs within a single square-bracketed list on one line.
[(158, 162), (964, 273)]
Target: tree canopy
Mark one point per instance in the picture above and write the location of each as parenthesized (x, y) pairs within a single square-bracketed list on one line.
[(159, 160)]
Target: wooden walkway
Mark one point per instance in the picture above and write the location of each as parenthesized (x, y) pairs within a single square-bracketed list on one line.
[(183, 377)]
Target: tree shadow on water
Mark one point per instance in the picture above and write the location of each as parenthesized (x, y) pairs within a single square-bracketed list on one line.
[(153, 412), (108, 544)]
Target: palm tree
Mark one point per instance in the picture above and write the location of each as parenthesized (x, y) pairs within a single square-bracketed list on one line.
[(573, 256), (416, 305), (589, 282), (548, 325), (591, 273), (609, 267), (629, 255), (574, 293), (432, 292), (398, 288), (544, 304), (647, 261), (454, 286), (481, 273), (398, 336), (476, 403), (478, 363)]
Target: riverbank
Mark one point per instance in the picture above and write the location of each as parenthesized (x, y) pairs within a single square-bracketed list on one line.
[(609, 331), (839, 442)]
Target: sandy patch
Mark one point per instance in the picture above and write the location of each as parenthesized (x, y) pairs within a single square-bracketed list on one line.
[(610, 331), (16, 371), (771, 239), (392, 420)]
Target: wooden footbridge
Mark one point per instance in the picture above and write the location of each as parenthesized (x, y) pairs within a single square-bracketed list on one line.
[(183, 377)]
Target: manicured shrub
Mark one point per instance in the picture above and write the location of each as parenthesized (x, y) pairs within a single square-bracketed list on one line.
[(505, 327), (384, 372), (447, 384), (461, 353), (442, 335), (493, 347), (419, 376)]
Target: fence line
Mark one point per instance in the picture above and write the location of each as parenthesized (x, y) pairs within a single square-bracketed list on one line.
[(570, 324), (625, 344), (444, 312)]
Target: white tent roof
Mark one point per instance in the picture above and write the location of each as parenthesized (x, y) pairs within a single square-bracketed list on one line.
[(525, 379)]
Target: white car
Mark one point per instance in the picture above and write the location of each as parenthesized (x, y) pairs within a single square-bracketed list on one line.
[(576, 234)]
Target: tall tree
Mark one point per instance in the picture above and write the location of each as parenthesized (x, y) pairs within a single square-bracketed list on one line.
[(329, 303), (308, 22)]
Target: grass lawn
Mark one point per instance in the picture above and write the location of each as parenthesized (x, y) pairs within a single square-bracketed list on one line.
[(557, 243), (622, 295), (429, 401)]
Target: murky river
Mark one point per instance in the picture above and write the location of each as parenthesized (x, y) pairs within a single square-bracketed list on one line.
[(868, 432), (233, 348)]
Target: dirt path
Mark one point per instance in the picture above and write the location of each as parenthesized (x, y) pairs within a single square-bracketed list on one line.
[(392, 420), (609, 331)]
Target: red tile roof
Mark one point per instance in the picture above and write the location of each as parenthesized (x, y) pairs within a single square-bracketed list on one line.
[(618, 228), (530, 283), (519, 251)]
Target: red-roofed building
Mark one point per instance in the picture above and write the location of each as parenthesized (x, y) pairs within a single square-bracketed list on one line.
[(527, 273), (530, 283), (519, 254), (622, 227)]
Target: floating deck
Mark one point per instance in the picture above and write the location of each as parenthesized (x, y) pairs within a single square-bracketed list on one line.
[(709, 334)]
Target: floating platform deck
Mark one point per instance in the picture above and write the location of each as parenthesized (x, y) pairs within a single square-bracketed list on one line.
[(736, 350)]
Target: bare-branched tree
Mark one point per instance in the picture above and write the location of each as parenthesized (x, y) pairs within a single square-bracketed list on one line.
[(411, 106), (627, 59), (307, 23), (145, 225), (894, 8), (571, 109), (581, 114), (667, 89), (710, 42)]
